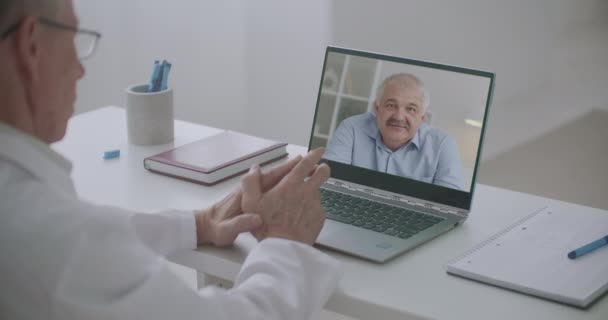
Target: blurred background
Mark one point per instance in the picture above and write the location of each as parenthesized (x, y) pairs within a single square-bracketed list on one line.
[(255, 67)]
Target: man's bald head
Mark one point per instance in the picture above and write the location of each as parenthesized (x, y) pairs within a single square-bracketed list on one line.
[(12, 10), (39, 66)]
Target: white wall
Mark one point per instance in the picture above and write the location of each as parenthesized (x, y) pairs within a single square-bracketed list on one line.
[(285, 43), (106, 75), (523, 42), (255, 66), (252, 66), (506, 37), (203, 39)]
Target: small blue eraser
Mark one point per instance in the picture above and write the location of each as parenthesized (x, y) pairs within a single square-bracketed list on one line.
[(111, 154)]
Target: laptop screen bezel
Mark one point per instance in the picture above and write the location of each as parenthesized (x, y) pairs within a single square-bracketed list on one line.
[(396, 184)]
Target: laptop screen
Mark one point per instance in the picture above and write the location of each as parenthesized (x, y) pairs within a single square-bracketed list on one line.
[(401, 125)]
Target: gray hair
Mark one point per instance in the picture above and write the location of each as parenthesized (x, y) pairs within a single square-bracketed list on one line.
[(12, 10), (405, 80)]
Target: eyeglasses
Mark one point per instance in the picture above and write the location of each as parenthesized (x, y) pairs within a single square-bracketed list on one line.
[(85, 40)]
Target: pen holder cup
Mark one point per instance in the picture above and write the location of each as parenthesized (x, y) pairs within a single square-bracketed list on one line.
[(149, 115)]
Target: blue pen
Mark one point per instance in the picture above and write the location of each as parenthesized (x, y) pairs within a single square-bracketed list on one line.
[(111, 154), (588, 248), (155, 74), (166, 70), (159, 78)]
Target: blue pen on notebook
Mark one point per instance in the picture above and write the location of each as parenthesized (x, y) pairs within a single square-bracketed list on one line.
[(588, 248), (165, 78), (155, 75)]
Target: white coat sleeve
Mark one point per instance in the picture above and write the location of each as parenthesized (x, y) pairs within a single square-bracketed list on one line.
[(165, 232), (299, 276), (111, 274)]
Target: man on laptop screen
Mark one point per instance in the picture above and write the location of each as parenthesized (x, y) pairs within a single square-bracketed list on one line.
[(395, 137), (403, 170)]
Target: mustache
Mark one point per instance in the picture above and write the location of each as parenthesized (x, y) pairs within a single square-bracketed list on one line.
[(397, 123)]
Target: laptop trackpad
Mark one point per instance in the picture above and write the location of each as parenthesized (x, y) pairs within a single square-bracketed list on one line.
[(360, 242), (331, 229)]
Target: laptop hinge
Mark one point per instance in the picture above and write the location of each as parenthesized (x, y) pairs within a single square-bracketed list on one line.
[(397, 197)]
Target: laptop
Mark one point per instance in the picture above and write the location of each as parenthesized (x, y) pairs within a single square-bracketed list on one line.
[(403, 140)]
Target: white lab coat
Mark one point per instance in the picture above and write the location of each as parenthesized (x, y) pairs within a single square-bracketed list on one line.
[(64, 258)]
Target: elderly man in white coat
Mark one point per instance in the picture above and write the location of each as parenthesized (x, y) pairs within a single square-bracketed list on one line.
[(64, 258)]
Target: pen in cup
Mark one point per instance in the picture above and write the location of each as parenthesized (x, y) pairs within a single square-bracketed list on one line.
[(156, 73), (160, 76), (166, 66)]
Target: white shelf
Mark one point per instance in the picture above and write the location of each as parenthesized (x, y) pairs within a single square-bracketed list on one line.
[(344, 95), (320, 135), (354, 81), (357, 98), (329, 92)]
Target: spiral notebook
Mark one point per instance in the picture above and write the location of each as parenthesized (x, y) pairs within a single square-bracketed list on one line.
[(531, 257)]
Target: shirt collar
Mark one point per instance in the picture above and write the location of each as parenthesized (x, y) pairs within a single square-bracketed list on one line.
[(34, 155)]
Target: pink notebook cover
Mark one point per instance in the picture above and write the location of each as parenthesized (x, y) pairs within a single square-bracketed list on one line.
[(216, 152)]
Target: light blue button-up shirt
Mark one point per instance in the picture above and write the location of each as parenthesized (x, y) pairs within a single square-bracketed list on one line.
[(431, 156)]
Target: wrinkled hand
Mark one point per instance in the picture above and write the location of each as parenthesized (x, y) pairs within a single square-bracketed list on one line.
[(292, 208), (224, 221)]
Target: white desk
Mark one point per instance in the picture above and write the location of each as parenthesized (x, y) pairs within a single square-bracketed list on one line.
[(413, 285)]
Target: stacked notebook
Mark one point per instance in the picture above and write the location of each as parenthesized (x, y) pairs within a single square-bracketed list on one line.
[(531, 257), (216, 158)]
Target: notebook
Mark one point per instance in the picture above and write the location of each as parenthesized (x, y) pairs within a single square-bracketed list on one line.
[(383, 200), (215, 158), (531, 257)]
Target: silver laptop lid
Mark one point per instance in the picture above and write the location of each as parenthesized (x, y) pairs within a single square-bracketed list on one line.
[(412, 128)]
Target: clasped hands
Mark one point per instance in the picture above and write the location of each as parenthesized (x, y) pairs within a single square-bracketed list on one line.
[(282, 203)]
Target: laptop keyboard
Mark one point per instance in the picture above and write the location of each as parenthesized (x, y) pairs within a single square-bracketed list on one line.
[(375, 216)]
